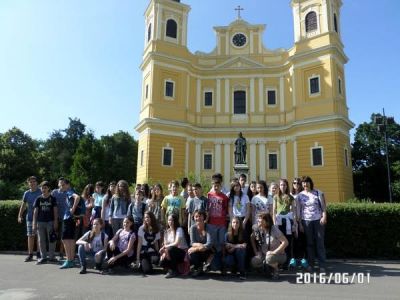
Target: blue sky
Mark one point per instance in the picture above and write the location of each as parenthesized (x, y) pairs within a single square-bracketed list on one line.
[(74, 58)]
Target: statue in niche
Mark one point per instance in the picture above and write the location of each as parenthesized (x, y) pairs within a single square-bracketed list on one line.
[(240, 150)]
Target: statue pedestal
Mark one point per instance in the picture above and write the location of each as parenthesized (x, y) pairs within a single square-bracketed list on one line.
[(241, 169)]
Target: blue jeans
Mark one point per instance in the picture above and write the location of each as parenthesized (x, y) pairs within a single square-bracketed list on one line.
[(82, 255), (218, 236), (237, 258), (315, 234)]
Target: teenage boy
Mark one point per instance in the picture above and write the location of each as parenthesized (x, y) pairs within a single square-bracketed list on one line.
[(61, 197), (173, 203), (27, 203), (198, 202), (70, 227), (217, 216), (45, 222), (242, 181)]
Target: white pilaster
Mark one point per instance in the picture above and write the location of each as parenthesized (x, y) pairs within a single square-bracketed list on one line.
[(292, 75), (253, 159), (252, 95), (187, 90), (282, 94), (198, 159), (323, 18), (296, 22), (187, 157), (217, 157), (227, 95), (159, 21), (227, 44), (283, 158), (227, 162), (263, 170), (260, 95), (218, 96), (198, 95), (184, 30), (251, 43)]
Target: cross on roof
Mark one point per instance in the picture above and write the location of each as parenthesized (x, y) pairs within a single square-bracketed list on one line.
[(238, 10)]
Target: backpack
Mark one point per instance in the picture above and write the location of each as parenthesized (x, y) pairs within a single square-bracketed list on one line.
[(81, 208), (103, 237)]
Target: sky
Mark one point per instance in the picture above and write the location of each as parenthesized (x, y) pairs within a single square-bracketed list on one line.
[(80, 59)]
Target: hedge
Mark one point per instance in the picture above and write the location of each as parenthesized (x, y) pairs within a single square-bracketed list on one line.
[(354, 230), (13, 234), (363, 230)]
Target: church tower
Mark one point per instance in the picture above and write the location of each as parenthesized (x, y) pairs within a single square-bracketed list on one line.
[(315, 17), (290, 105)]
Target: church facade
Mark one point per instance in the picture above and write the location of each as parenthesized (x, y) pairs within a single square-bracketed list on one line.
[(289, 104)]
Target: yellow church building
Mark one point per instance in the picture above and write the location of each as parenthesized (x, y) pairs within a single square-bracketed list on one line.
[(290, 105)]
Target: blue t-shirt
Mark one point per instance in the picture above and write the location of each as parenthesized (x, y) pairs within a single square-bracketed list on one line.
[(98, 199), (69, 204), (61, 198), (29, 198)]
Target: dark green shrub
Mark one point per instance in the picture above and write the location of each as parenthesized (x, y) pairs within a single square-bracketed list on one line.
[(13, 234), (363, 230)]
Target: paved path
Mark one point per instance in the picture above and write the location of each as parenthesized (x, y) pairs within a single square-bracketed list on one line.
[(20, 280)]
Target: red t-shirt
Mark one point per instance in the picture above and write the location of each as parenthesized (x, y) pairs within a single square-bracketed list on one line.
[(217, 208)]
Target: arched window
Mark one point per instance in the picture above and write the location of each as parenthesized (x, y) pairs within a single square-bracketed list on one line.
[(171, 28), (311, 21), (239, 102), (149, 33), (335, 23)]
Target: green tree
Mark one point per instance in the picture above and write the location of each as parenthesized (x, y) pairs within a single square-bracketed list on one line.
[(369, 160), (120, 156), (88, 164), (18, 160), (58, 151)]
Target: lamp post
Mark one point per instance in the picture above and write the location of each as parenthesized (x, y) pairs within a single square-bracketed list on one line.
[(382, 122)]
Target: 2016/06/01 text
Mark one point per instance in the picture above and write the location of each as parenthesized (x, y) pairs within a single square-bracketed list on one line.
[(336, 278)]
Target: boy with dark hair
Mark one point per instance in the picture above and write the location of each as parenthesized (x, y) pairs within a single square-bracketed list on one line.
[(198, 202), (219, 177), (61, 197), (28, 199), (45, 222), (242, 181), (217, 214)]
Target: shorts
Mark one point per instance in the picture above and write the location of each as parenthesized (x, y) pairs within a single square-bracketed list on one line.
[(275, 258), (60, 229), (29, 228), (69, 229)]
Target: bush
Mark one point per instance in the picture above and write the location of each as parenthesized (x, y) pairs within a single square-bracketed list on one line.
[(13, 234), (354, 230), (363, 230)]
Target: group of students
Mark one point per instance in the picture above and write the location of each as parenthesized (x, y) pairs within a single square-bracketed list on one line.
[(246, 227)]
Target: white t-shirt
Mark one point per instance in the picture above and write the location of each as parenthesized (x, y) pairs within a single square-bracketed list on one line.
[(239, 205), (169, 238), (96, 244), (146, 237), (260, 205)]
